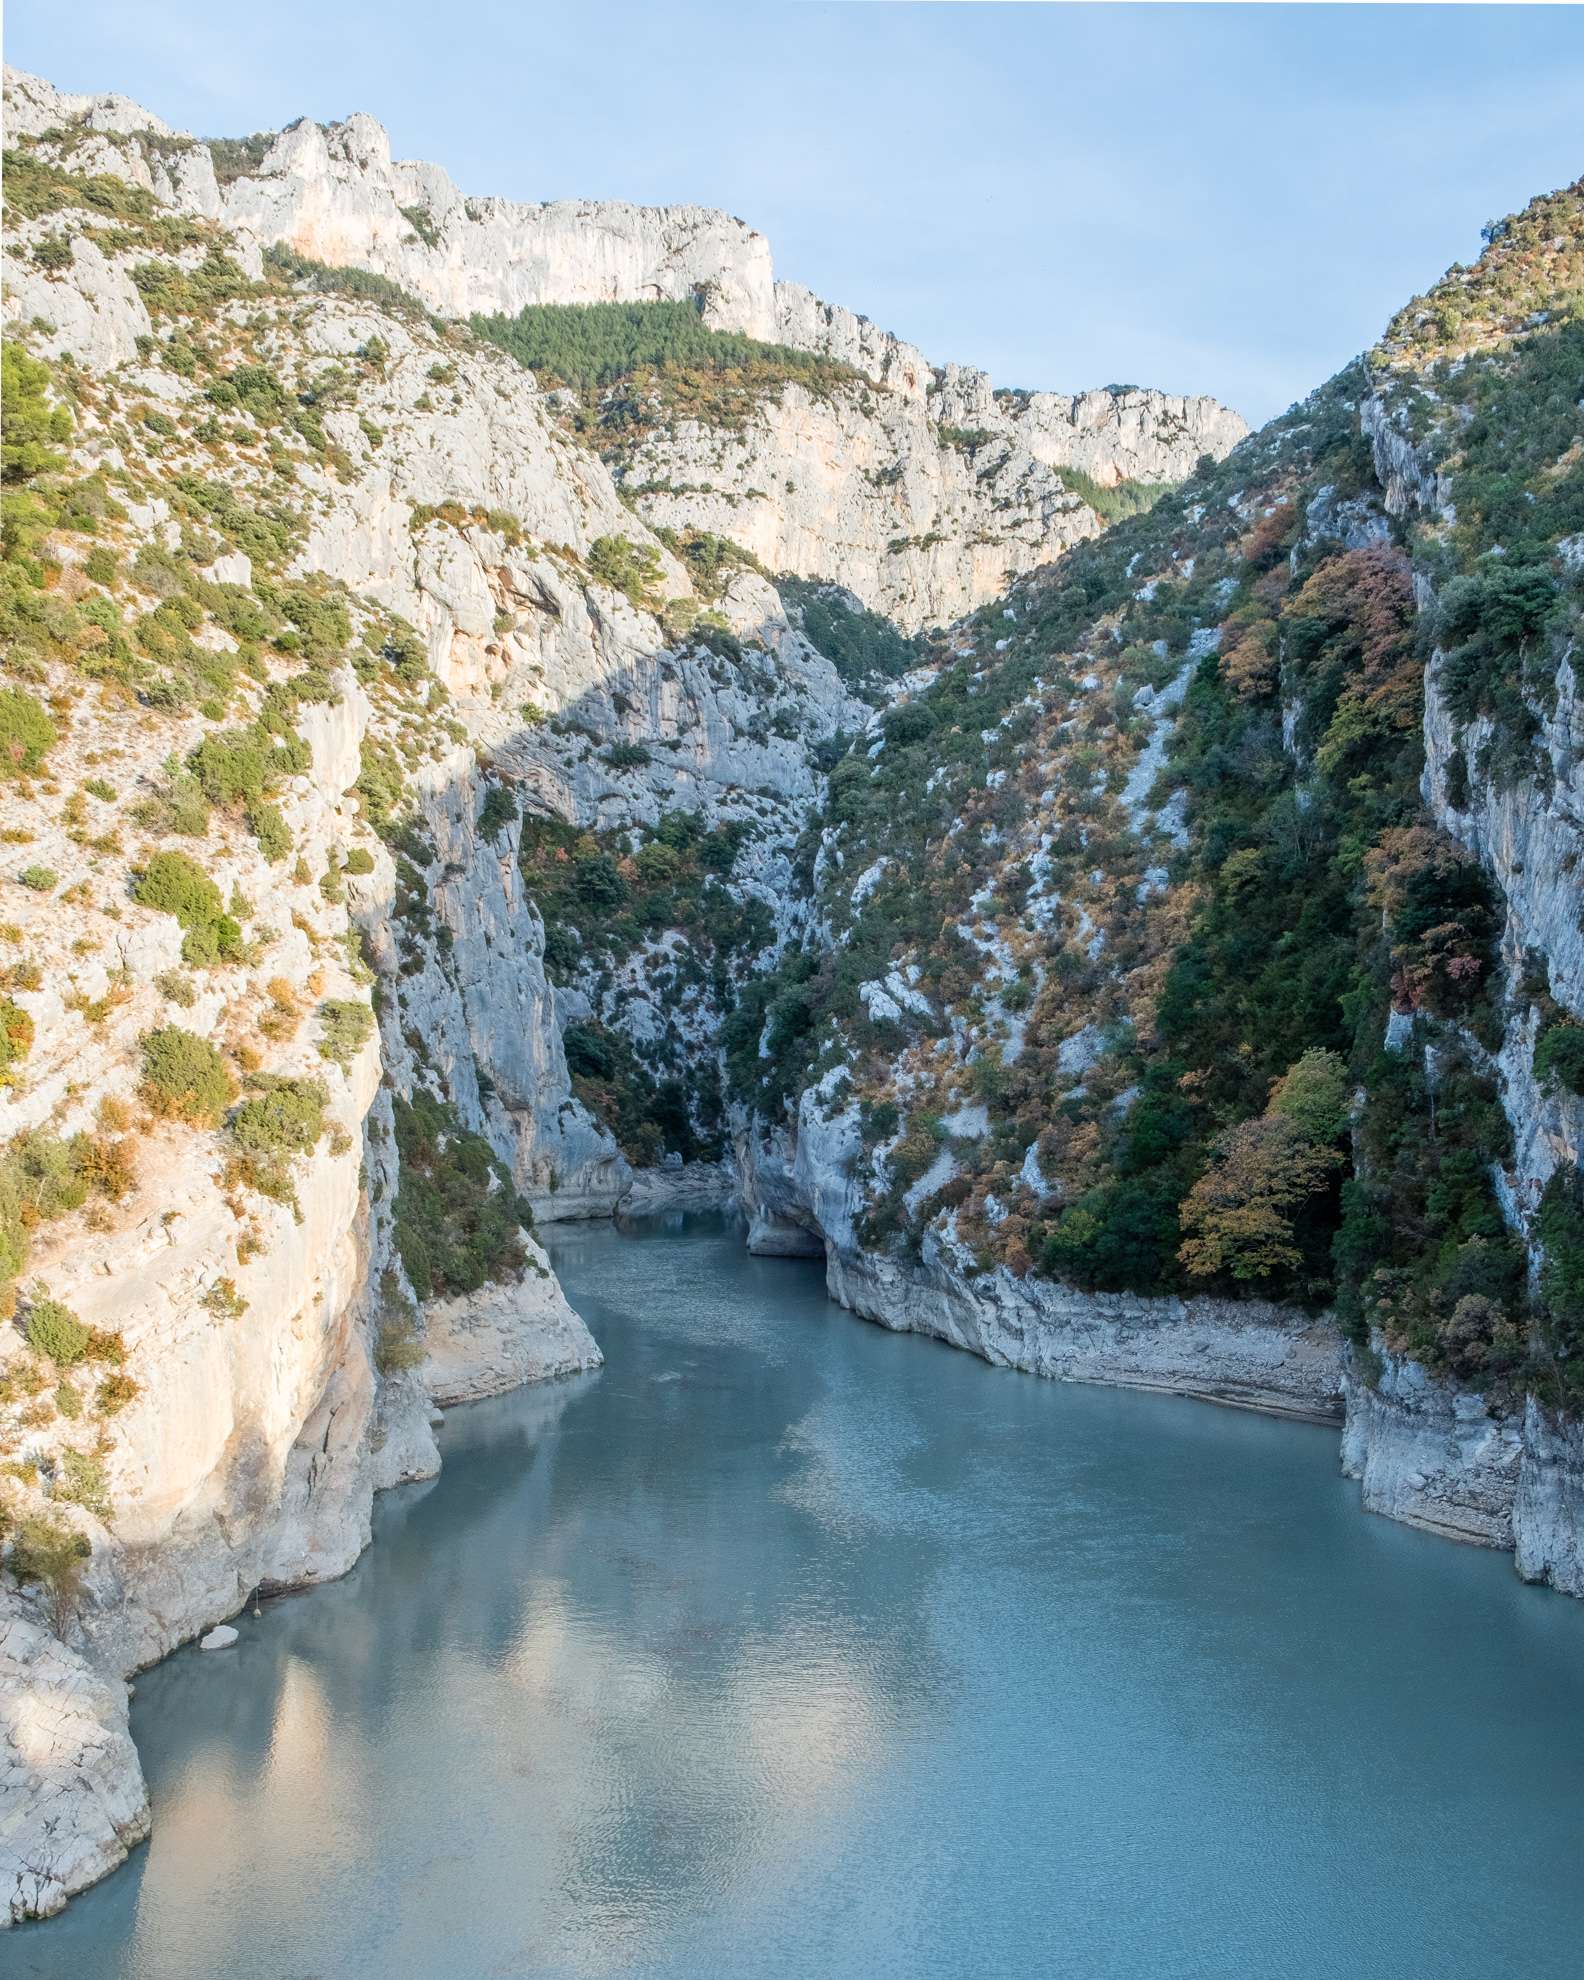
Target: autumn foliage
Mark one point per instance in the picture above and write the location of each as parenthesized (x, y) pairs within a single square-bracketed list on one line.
[(1238, 1218)]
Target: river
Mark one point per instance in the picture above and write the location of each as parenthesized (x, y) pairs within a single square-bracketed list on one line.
[(784, 1646)]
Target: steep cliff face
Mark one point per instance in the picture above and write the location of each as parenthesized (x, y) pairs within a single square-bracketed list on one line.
[(335, 193), (1461, 426), (306, 615), (922, 491)]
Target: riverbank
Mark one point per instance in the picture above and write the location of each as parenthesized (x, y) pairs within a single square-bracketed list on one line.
[(697, 1665), (1424, 1452)]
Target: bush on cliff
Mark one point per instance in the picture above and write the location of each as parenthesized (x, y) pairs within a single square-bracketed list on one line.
[(54, 1330), (459, 1221), (184, 1077), (26, 732)]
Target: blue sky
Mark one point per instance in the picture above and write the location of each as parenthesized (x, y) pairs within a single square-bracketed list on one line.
[(1221, 199)]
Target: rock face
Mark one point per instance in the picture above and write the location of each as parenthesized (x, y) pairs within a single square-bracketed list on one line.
[(1432, 1456), (865, 486), (923, 504), (802, 1202), (336, 195), (1425, 1452), (923, 496), (72, 1801), (1548, 1511), (483, 1344)]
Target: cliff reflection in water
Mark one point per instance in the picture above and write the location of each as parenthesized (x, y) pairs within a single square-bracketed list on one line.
[(784, 1645)]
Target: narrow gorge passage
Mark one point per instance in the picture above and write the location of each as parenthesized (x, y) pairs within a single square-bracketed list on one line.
[(784, 1631)]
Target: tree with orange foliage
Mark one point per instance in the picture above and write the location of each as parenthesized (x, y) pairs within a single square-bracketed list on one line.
[(1350, 630), (1237, 1218), (1434, 901)]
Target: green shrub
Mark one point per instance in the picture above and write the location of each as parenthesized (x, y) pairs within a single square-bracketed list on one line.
[(172, 883), (41, 879), (16, 1037), (48, 1554), (26, 732), (34, 430), (54, 1330), (271, 831), (381, 787), (398, 1345), (359, 861), (282, 1116), (497, 812), (281, 1119), (245, 766), (170, 289), (459, 1222), (81, 1481), (344, 1024), (627, 567), (178, 805), (1559, 1057), (184, 1077), (42, 1177)]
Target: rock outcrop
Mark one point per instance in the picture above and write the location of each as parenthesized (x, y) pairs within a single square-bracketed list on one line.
[(1432, 1455), (924, 491), (72, 1801), (799, 1192)]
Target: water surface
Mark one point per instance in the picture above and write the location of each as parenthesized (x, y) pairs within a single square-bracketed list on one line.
[(787, 1647)]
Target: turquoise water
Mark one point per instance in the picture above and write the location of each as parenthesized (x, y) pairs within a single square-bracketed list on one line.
[(788, 1647)]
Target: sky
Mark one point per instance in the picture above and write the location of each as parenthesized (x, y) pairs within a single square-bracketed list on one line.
[(1230, 200)]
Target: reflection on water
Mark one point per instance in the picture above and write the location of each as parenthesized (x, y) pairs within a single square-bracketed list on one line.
[(783, 1646)]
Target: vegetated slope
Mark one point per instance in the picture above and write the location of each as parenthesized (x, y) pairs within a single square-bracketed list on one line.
[(1153, 953)]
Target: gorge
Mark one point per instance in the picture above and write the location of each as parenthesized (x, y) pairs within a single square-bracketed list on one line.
[(514, 715)]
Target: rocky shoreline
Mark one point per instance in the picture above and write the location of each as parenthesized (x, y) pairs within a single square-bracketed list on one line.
[(73, 1803), (1424, 1452)]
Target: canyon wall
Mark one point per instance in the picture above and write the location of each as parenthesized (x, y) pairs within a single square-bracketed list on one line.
[(920, 489)]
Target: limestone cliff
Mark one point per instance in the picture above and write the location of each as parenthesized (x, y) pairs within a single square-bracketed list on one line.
[(921, 490)]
